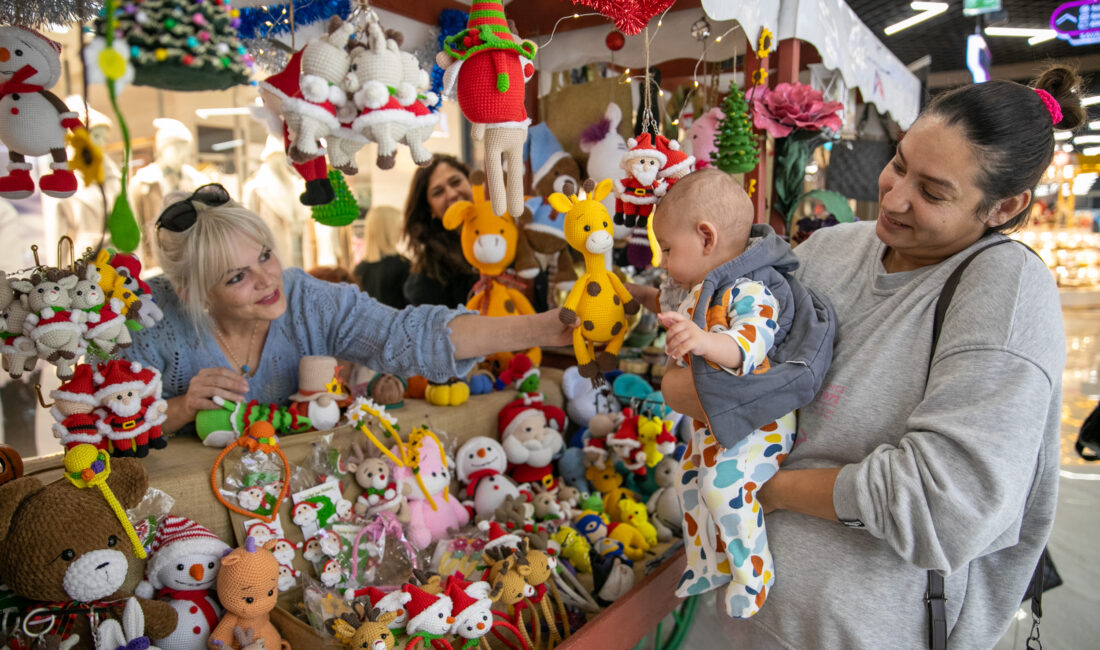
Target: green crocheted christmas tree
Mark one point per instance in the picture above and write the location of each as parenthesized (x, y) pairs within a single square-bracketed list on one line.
[(735, 143), (343, 209)]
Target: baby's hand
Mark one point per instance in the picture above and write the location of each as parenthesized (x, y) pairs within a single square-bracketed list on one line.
[(684, 336)]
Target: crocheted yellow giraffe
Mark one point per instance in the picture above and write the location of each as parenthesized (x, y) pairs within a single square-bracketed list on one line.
[(489, 244), (598, 298)]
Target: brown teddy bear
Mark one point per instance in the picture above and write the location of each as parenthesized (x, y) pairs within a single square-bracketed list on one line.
[(63, 543)]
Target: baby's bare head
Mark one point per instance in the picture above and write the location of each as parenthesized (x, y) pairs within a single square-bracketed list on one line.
[(710, 195)]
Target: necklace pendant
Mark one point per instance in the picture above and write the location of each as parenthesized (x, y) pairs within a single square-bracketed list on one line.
[(244, 370)]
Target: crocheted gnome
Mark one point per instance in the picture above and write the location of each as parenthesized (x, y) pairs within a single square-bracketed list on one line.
[(320, 392), (33, 121), (73, 407), (530, 432), (182, 569), (490, 66), (127, 417), (637, 193), (429, 616), (473, 617)]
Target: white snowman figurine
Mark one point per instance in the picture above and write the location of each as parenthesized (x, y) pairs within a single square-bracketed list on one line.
[(429, 616), (480, 464), (473, 616), (33, 121), (183, 569)]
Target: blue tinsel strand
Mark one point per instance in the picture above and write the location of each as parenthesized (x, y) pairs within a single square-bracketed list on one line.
[(254, 19), (451, 22)]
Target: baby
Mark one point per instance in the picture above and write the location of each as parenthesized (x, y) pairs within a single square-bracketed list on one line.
[(758, 344)]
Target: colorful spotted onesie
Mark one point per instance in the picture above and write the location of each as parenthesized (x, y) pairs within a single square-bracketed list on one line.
[(724, 534)]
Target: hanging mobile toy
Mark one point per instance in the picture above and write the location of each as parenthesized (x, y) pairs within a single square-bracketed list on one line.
[(258, 436)]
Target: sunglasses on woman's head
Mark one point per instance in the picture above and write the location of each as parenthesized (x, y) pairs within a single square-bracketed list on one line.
[(181, 215)]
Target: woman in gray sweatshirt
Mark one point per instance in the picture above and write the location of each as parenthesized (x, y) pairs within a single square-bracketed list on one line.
[(897, 469)]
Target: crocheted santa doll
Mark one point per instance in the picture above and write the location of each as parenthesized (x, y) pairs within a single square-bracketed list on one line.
[(73, 407), (490, 66), (531, 434), (677, 163), (182, 569), (125, 418), (638, 192), (33, 121)]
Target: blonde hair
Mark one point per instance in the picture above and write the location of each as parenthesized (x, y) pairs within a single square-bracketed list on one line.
[(195, 260), (384, 233)]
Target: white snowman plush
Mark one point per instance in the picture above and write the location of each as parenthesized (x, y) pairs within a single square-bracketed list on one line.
[(182, 569), (33, 121), (429, 616), (394, 601), (480, 464), (473, 616)]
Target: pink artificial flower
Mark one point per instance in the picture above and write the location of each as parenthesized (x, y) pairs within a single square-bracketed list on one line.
[(788, 107), (459, 544)]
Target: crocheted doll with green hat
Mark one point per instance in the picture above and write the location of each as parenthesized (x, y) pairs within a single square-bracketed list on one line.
[(490, 65)]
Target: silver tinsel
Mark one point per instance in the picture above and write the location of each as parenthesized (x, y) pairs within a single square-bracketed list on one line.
[(426, 52), (40, 13), (266, 55)]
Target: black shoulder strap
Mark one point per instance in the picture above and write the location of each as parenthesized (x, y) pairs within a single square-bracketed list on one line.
[(935, 598)]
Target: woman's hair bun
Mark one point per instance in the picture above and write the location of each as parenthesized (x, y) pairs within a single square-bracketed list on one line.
[(1064, 84)]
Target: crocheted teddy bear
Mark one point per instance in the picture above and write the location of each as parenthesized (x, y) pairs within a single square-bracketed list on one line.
[(60, 542)]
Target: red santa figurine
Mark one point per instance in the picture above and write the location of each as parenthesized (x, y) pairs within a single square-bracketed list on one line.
[(677, 163), (638, 192), (124, 418), (530, 432), (73, 407)]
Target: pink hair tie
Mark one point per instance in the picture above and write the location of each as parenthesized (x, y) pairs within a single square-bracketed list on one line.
[(1051, 104)]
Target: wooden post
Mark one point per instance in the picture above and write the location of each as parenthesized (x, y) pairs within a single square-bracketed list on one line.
[(787, 67), (756, 180)]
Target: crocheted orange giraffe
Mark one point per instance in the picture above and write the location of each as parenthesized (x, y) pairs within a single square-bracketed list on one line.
[(490, 244), (598, 298)]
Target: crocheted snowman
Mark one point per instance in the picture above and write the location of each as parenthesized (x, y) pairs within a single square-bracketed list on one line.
[(481, 463), (182, 568), (429, 616), (473, 616), (33, 121)]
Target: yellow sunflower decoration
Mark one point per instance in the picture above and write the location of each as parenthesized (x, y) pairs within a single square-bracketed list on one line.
[(759, 76), (87, 158), (765, 43), (752, 187)]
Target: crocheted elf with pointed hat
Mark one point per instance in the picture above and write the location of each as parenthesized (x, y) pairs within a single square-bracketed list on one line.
[(490, 66), (73, 407)]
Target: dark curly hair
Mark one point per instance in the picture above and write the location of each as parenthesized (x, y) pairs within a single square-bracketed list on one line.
[(436, 251)]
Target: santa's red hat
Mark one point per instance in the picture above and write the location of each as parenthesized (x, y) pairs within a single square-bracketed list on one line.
[(677, 163), (642, 147), (374, 594), (419, 600), (175, 538), (518, 370), (497, 536), (460, 600), (116, 376), (80, 388)]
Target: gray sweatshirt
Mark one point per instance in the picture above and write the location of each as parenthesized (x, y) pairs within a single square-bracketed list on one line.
[(961, 478)]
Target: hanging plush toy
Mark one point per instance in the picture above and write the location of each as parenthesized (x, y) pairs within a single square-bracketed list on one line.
[(701, 136), (637, 193), (56, 330), (17, 351), (598, 299), (131, 410), (489, 243), (490, 66), (551, 168), (33, 121), (74, 408), (677, 163)]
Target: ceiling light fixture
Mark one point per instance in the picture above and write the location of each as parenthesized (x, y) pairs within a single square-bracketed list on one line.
[(1063, 135), (927, 9), (1087, 139), (1091, 151), (1033, 36), (1089, 101)]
